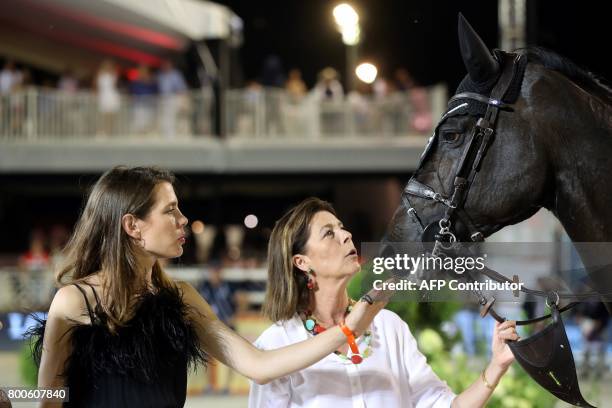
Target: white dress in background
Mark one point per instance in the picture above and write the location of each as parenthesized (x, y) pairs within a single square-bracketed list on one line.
[(108, 95), (395, 375)]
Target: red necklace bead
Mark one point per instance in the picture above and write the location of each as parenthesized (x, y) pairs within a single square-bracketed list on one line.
[(356, 359), (318, 328)]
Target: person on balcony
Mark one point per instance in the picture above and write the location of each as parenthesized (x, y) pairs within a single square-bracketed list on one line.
[(172, 90), (144, 97), (109, 100)]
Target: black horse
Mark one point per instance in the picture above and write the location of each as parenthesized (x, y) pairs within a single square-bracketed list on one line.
[(525, 130), (551, 148)]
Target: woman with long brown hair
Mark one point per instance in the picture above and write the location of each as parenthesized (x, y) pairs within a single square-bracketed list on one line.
[(120, 332)]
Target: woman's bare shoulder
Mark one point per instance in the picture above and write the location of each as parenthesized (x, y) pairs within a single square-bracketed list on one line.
[(68, 304)]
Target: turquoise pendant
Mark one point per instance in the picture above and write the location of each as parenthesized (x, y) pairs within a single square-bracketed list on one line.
[(310, 324)]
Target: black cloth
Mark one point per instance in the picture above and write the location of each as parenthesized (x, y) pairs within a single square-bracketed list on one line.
[(144, 364)]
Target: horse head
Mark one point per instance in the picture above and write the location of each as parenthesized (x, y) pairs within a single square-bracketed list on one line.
[(515, 175)]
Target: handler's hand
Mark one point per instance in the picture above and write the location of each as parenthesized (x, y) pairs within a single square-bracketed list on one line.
[(363, 312), (503, 332)]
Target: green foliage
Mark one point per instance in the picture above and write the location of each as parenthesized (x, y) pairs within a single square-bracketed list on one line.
[(27, 367), (515, 390)]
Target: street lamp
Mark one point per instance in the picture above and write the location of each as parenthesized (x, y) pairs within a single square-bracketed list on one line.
[(347, 20), (366, 72)]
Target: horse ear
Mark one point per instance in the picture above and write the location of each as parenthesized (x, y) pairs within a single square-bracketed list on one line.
[(479, 62)]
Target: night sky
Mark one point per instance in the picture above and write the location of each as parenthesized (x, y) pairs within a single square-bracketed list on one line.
[(418, 35)]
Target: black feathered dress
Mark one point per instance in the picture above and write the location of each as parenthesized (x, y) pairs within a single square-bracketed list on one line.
[(144, 364)]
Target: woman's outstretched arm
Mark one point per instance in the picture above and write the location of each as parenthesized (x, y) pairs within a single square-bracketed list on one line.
[(261, 366)]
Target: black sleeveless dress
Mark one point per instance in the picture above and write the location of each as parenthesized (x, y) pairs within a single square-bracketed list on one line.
[(144, 365)]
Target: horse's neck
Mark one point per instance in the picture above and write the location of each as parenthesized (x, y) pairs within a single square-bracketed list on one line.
[(582, 158)]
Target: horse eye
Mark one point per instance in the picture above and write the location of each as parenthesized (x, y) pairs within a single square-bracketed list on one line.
[(451, 137)]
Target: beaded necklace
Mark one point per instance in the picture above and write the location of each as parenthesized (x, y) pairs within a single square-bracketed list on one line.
[(314, 328)]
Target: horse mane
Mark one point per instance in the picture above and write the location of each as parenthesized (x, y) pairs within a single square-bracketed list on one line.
[(589, 81)]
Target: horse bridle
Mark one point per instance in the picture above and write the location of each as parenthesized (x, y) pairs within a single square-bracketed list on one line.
[(555, 371), (469, 164)]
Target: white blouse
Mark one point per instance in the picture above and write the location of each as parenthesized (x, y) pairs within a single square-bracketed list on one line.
[(395, 374)]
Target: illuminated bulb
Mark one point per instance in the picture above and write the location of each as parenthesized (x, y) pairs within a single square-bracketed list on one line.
[(366, 72), (250, 221), (345, 15), (197, 227)]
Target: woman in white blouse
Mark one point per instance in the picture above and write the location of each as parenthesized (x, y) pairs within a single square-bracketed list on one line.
[(311, 259)]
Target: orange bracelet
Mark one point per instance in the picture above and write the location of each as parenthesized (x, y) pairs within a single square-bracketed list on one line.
[(350, 338)]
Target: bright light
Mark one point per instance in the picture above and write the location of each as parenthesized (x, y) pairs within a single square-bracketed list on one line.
[(345, 15), (250, 221), (197, 227), (366, 72), (350, 35)]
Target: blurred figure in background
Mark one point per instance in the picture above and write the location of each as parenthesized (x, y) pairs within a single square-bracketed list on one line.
[(221, 297), (381, 88), (386, 107), (143, 90), (204, 110), (593, 319), (246, 121), (295, 114), (9, 77), (272, 74), (328, 87), (295, 86), (22, 81), (36, 257), (329, 94), (172, 89), (70, 107), (273, 79), (58, 238), (35, 266), (420, 120), (109, 100), (360, 101), (68, 82)]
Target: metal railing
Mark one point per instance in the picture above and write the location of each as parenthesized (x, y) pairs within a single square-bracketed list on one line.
[(46, 113), (41, 113), (34, 290), (273, 113)]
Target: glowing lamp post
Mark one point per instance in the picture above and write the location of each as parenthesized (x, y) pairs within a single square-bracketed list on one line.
[(347, 21)]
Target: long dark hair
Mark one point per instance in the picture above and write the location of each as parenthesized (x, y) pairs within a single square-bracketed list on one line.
[(100, 244)]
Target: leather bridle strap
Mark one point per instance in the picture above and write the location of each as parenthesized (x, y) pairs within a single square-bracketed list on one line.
[(479, 142)]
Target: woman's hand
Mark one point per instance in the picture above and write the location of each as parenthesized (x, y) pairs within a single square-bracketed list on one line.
[(503, 332), (364, 311)]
